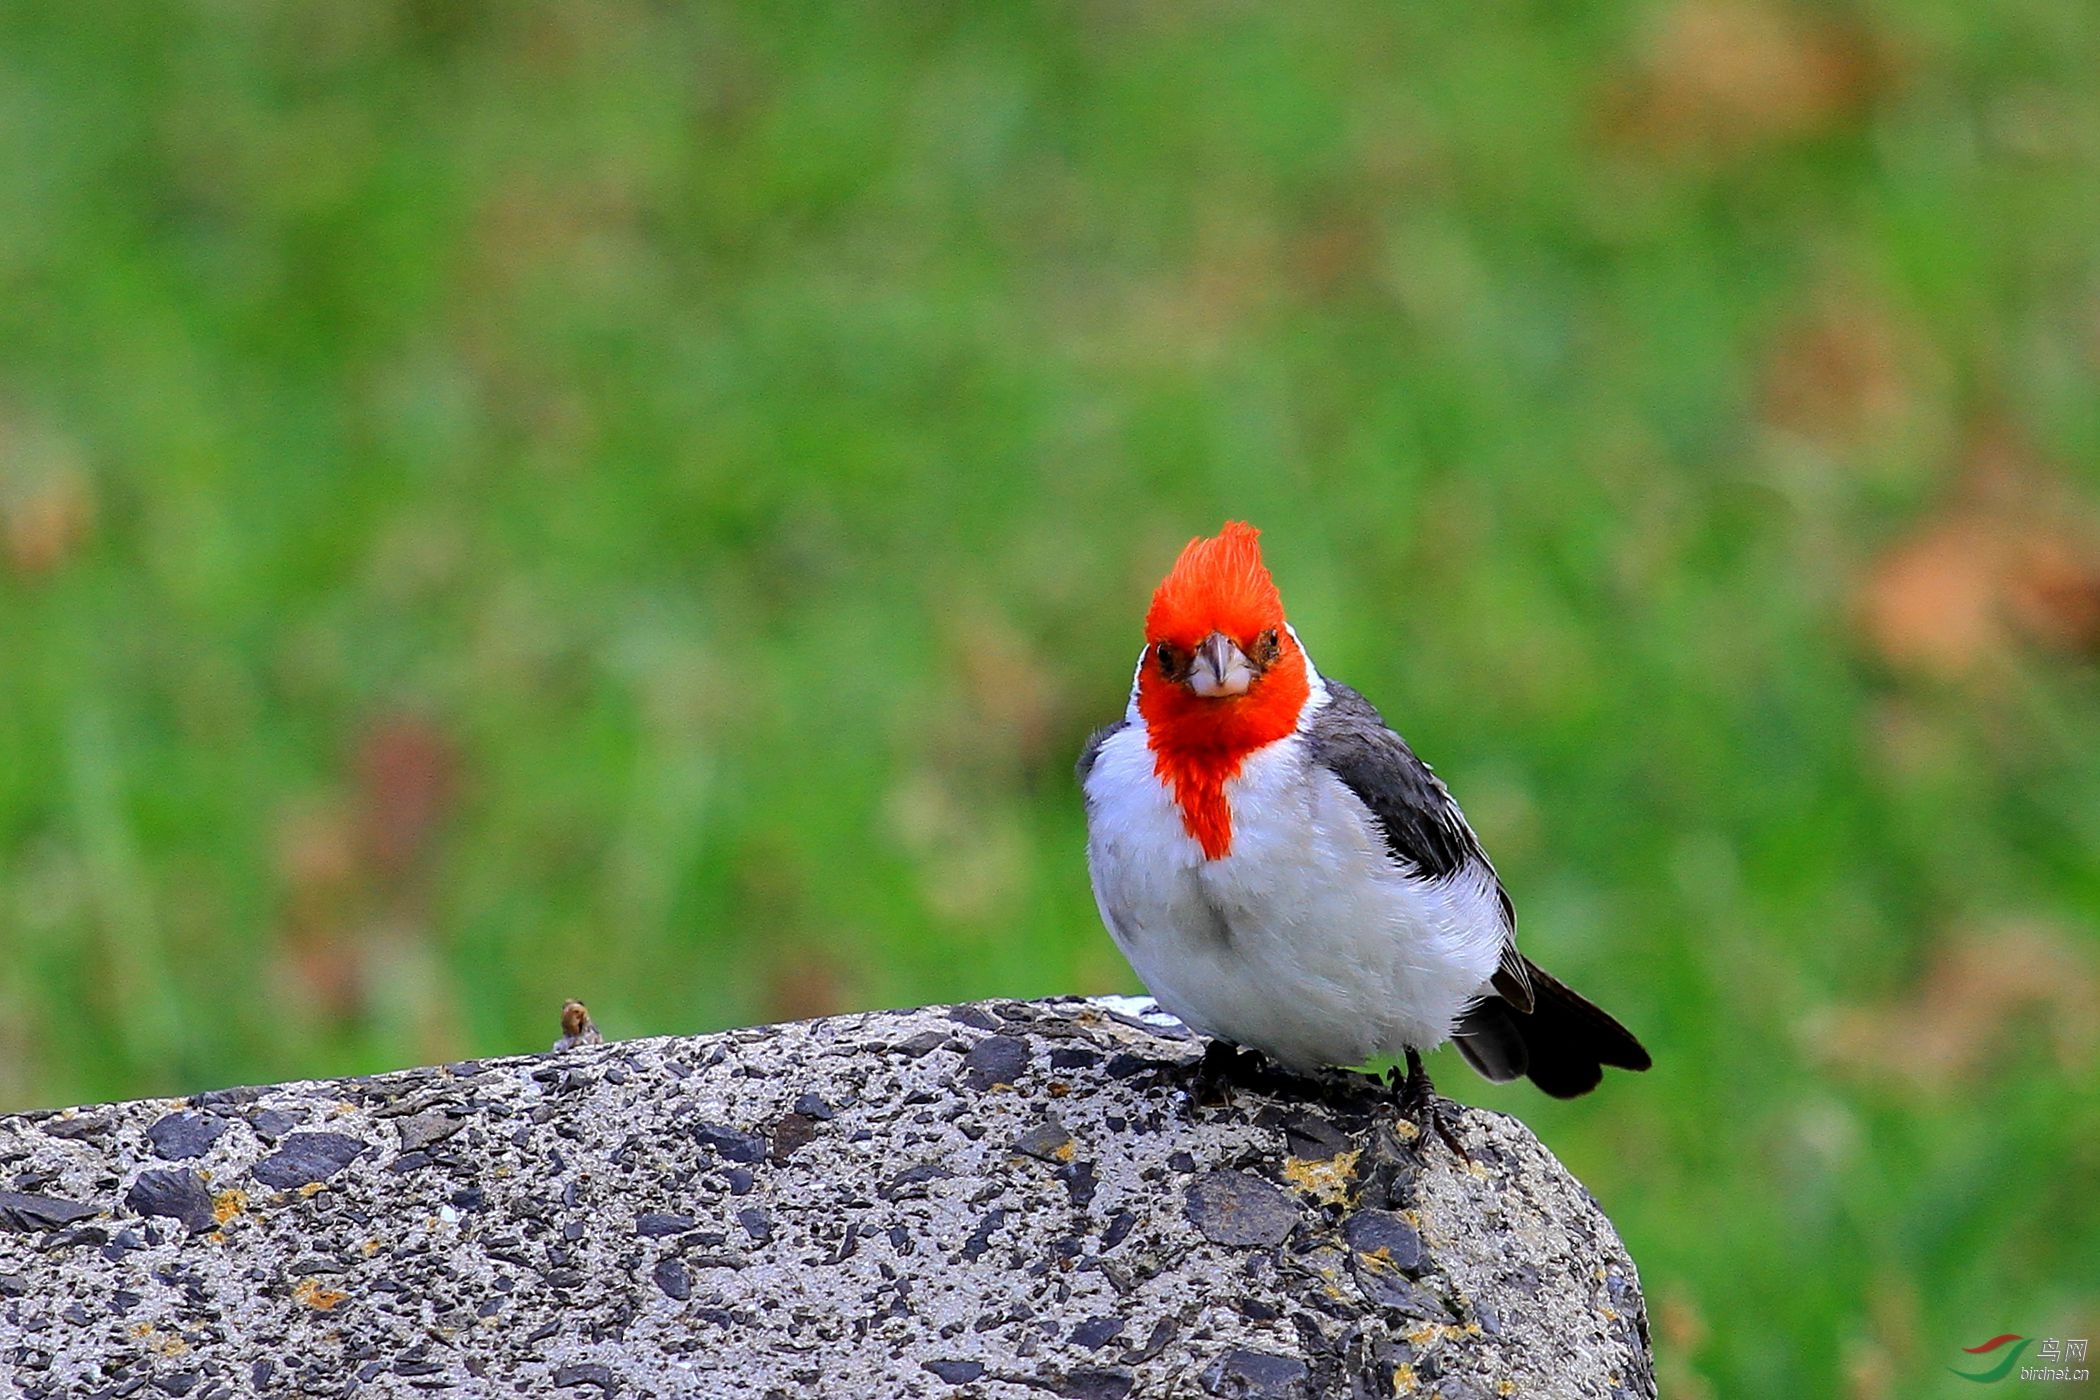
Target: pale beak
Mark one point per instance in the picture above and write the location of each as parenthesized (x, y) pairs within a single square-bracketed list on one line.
[(1220, 668)]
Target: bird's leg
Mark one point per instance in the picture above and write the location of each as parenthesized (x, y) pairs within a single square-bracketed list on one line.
[(1214, 1075), (1417, 1102)]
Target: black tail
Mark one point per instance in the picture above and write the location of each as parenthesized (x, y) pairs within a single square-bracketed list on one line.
[(1563, 1041)]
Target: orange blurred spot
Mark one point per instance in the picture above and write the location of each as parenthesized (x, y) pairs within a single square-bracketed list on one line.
[(1837, 374), (1729, 76), (1932, 603), (2011, 560), (1973, 999), (407, 778), (47, 500), (805, 984)]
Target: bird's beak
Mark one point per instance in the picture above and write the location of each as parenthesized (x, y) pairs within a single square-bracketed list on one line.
[(1220, 668)]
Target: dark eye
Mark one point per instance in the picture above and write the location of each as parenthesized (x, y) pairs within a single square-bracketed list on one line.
[(1267, 647), (1169, 659)]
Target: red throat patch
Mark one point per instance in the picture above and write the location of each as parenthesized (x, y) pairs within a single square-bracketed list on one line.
[(1198, 743)]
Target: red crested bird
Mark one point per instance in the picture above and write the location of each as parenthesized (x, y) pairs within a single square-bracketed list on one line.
[(1285, 875)]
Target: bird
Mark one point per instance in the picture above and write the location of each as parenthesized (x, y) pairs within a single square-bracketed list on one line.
[(1285, 875)]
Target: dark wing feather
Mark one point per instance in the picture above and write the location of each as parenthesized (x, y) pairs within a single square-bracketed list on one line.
[(1423, 827), (1512, 980), (1526, 1022), (1562, 1044)]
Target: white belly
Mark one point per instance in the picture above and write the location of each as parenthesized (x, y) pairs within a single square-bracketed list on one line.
[(1306, 941)]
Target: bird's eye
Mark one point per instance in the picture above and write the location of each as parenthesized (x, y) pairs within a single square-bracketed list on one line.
[(1169, 659), (1267, 647)]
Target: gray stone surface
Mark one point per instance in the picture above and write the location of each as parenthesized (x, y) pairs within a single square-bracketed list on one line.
[(997, 1200)]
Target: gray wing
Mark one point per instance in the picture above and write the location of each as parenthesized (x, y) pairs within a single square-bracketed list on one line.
[(1424, 830)]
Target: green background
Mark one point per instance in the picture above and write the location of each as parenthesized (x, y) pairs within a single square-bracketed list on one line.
[(509, 502)]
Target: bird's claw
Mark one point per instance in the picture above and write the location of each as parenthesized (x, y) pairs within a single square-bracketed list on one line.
[(1416, 1101)]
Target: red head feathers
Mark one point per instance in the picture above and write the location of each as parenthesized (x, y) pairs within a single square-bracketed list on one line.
[(1217, 585), (1218, 592)]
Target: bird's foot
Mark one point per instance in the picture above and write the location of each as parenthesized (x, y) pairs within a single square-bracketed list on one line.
[(1215, 1074), (1416, 1101)]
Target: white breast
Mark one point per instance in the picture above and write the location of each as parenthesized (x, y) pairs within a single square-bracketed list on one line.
[(1306, 941)]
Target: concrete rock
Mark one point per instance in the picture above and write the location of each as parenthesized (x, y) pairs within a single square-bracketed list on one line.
[(999, 1200)]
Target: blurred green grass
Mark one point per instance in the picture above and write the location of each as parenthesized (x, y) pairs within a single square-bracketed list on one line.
[(505, 503)]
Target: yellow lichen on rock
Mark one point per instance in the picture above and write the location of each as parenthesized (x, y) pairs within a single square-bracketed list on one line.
[(1325, 1179), (315, 1294), (166, 1343)]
